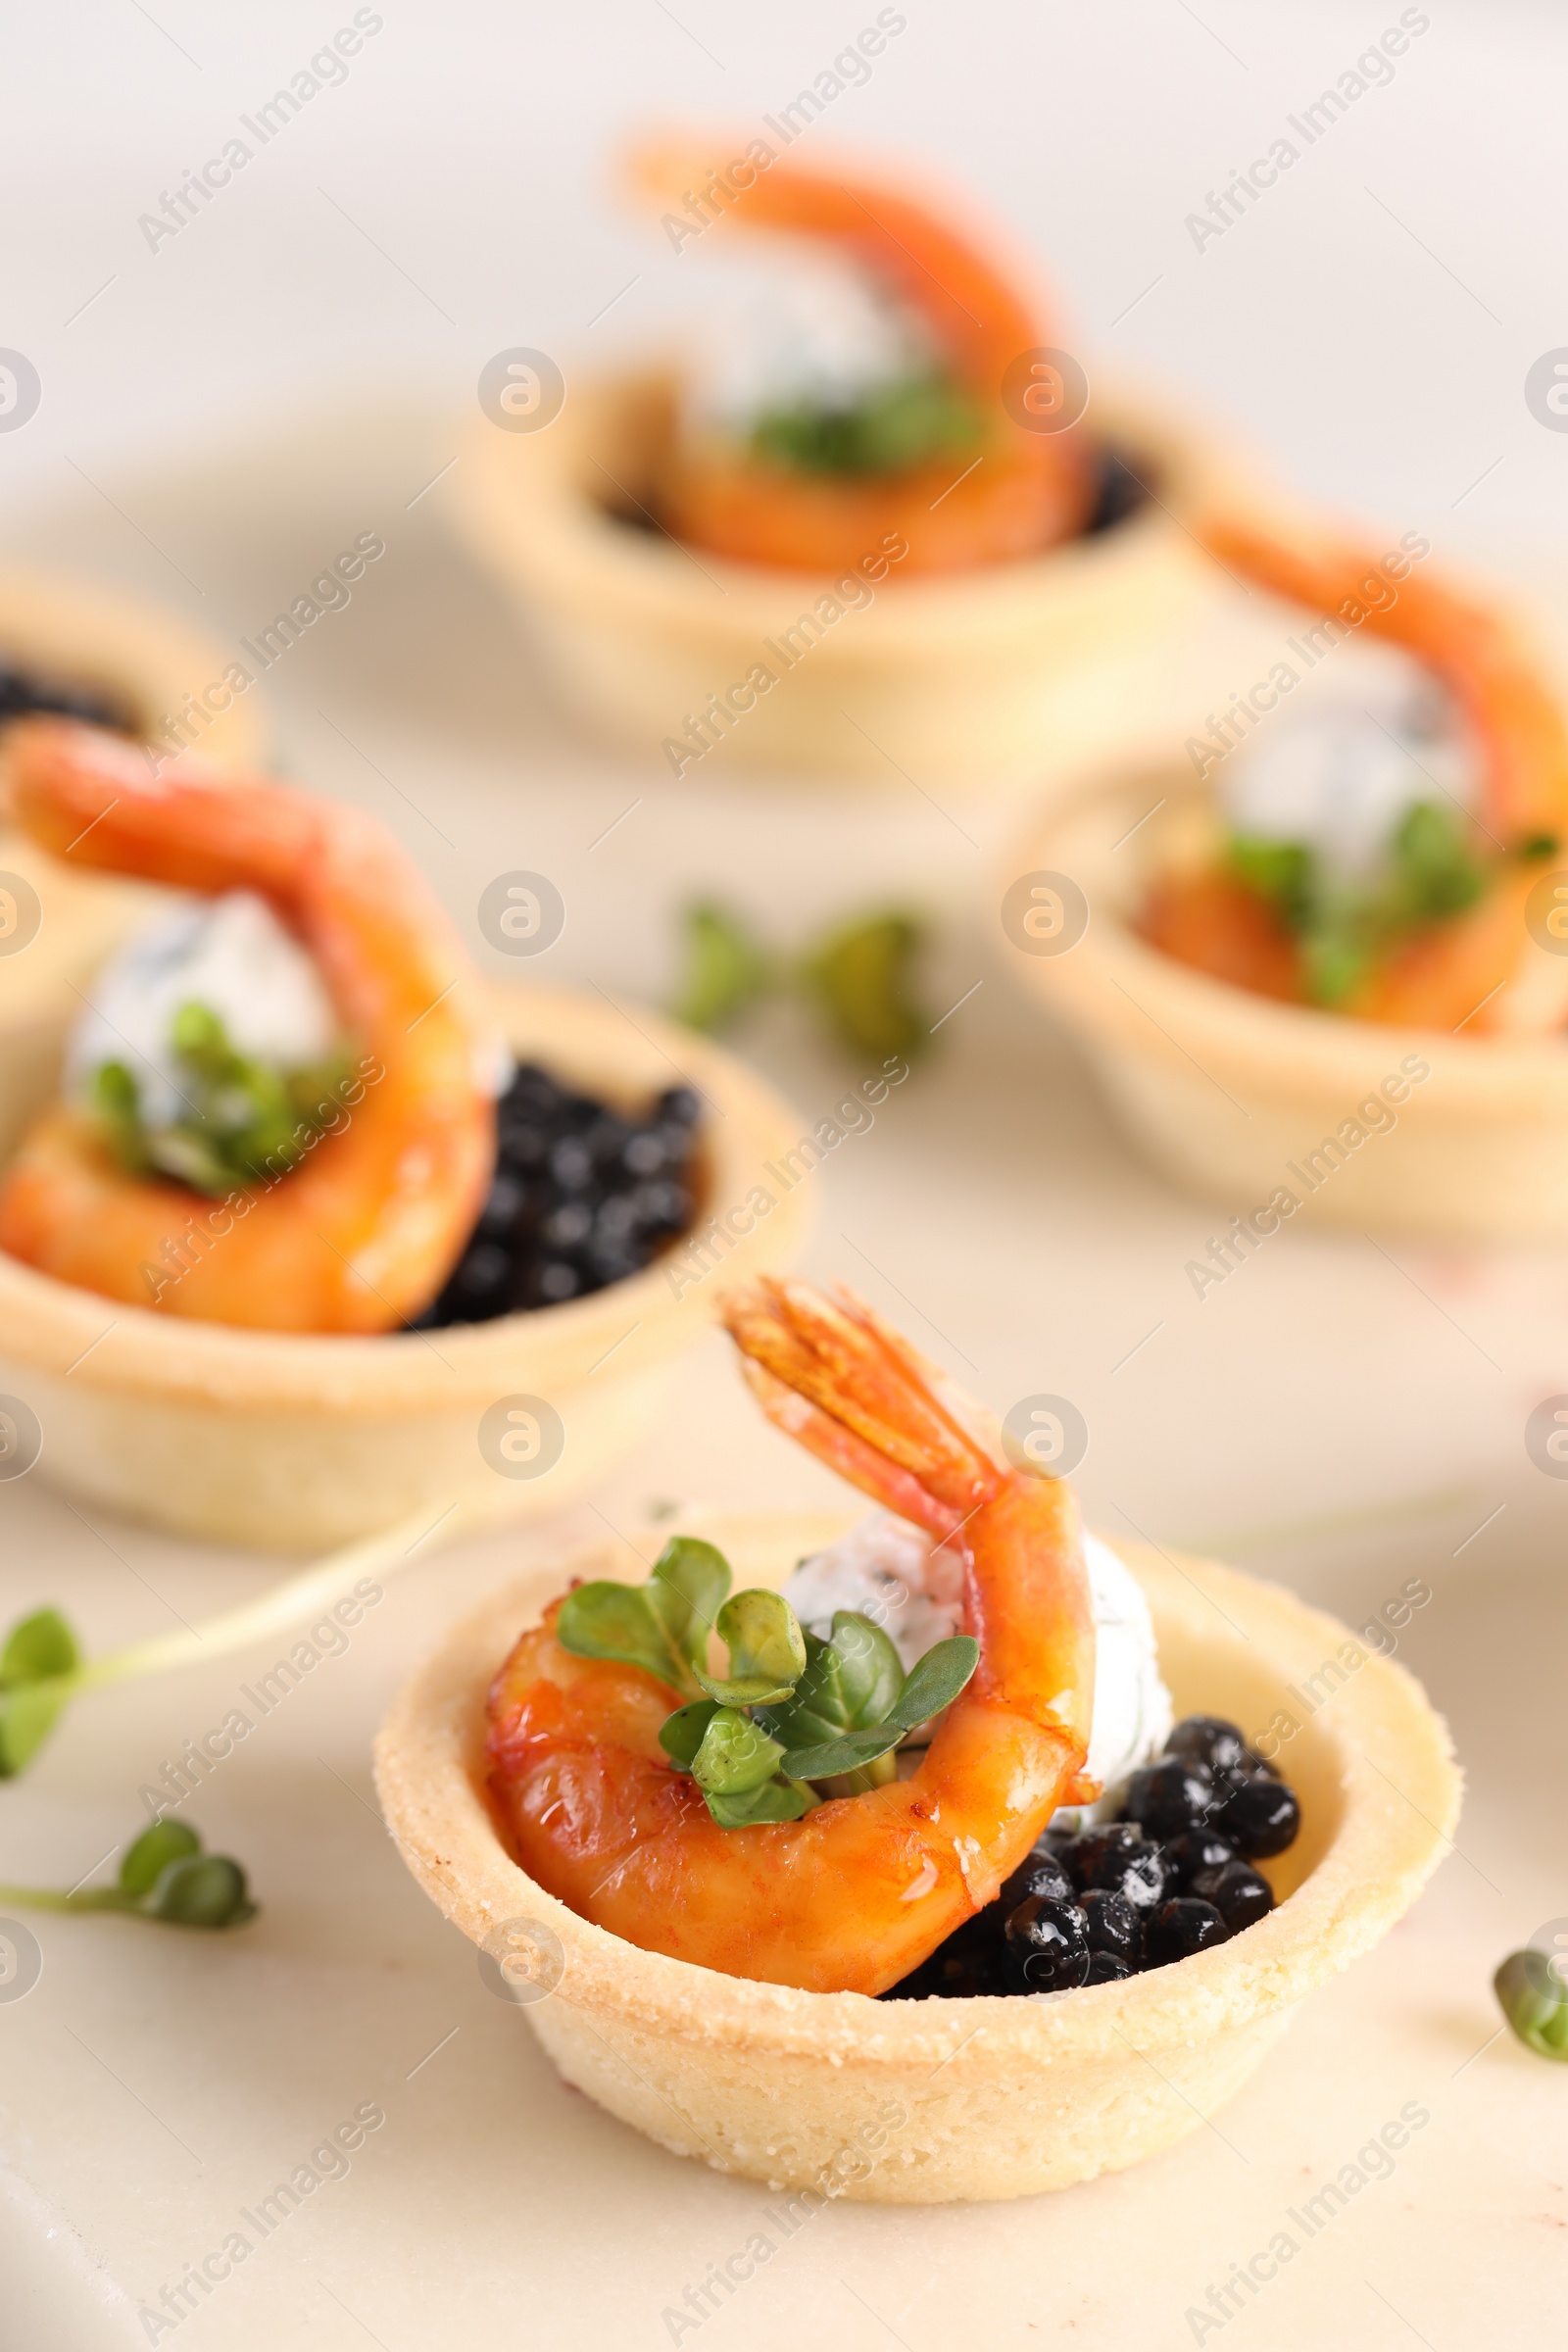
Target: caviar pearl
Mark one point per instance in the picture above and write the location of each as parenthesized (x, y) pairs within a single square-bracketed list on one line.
[(1260, 1818), (1040, 1872), (582, 1197), (1114, 1923), (1195, 1850), (1170, 1797), (1181, 1927), (1048, 1945), (1120, 1860), (1208, 1741), (1241, 1895)]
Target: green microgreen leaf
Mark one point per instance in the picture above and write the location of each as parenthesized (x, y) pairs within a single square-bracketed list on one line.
[(849, 1683), (37, 1648), (773, 1800), (935, 1681), (933, 1684), (766, 1651), (726, 968), (604, 1620), (147, 1856), (164, 1875), (686, 1592), (862, 976), (1430, 872), (680, 1735), (1533, 1999), (241, 1118), (735, 1755), (910, 421), (28, 1715), (204, 1890), (28, 1710), (661, 1626)]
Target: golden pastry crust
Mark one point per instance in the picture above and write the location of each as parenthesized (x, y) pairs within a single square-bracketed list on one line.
[(292, 1442), (931, 2101), (1478, 1146)]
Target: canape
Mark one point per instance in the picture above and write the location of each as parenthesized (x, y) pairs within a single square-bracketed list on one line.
[(892, 527), (90, 652), (289, 1249), (700, 1903), (1319, 956)]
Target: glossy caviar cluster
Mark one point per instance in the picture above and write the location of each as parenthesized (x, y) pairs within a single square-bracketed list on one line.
[(24, 691), (582, 1197), (1173, 1875)]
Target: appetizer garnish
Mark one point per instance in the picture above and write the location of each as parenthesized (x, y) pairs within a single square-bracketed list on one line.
[(163, 1875), (1377, 864), (583, 1196), (42, 1668), (855, 1892), (1533, 1999), (793, 1709), (302, 1201), (880, 423), (858, 975), (1172, 1875)]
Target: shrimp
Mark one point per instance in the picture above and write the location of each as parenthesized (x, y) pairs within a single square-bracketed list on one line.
[(855, 1896), (1025, 491), (1477, 970), (360, 1234)]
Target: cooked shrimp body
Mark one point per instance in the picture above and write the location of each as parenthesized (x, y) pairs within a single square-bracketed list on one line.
[(853, 1896), (1024, 493), (361, 1233), (1478, 969)]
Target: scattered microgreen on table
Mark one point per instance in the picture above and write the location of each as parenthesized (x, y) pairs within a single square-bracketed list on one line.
[(163, 1875), (859, 976), (1533, 1999), (42, 1667), (796, 1717)]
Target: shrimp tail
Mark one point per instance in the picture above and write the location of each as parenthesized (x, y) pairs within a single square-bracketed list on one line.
[(828, 1373)]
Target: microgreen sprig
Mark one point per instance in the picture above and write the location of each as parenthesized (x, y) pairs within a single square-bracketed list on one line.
[(163, 1875), (42, 1667), (910, 421), (859, 976), (793, 1710), (243, 1117), (1430, 872), (1533, 1999)]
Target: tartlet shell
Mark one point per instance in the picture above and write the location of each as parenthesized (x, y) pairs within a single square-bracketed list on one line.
[(1000, 2097), (293, 1442), (978, 678), (1223, 1090)]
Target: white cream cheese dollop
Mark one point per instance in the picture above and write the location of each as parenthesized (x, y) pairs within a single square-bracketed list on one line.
[(800, 329), (891, 1573), (1343, 758), (231, 954)]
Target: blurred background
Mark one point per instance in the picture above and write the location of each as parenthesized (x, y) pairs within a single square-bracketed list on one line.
[(224, 409)]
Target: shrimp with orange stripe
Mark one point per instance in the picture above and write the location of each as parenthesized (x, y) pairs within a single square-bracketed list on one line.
[(919, 453), (1381, 864), (344, 1193), (676, 1807)]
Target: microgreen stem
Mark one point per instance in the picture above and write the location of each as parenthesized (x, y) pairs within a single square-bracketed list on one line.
[(297, 1596), (49, 1898)]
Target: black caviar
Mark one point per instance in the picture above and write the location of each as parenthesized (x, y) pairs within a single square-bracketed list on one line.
[(1175, 1875), (24, 691), (582, 1197)]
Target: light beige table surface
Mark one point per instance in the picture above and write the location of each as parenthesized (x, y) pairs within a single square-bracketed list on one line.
[(1341, 1416)]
